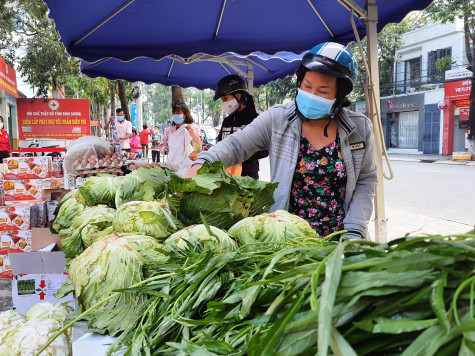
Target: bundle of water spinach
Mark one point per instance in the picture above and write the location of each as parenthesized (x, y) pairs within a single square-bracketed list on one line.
[(411, 296)]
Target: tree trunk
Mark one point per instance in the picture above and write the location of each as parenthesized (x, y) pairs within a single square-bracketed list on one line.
[(177, 95), (123, 99)]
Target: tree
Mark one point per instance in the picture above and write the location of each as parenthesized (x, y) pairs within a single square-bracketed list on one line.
[(30, 44), (447, 11)]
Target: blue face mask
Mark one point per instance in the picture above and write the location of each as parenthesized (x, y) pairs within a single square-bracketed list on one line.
[(313, 106), (178, 119), (119, 118)]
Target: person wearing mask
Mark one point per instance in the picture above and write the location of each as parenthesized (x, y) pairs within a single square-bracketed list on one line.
[(240, 109), (180, 139), (121, 129), (5, 147), (134, 141), (156, 139), (144, 135), (321, 153)]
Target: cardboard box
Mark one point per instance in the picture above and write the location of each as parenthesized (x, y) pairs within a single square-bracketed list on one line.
[(24, 189), (21, 216), (27, 167), (5, 266), (52, 183), (37, 276), (50, 208), (15, 240)]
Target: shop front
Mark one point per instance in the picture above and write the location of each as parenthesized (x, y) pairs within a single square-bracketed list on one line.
[(456, 115), (402, 118), (8, 96)]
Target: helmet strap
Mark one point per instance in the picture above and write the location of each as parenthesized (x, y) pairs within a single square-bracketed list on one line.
[(333, 114)]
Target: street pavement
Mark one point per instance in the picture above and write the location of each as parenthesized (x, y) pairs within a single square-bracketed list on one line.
[(399, 222)]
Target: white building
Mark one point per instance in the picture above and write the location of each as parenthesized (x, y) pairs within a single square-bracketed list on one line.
[(412, 120)]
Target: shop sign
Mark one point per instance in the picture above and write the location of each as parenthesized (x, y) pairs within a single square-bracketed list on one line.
[(457, 74), (8, 78), (464, 113), (133, 115), (402, 103), (65, 119), (459, 89), (461, 103)]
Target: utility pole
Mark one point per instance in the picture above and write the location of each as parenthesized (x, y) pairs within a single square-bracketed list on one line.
[(139, 108)]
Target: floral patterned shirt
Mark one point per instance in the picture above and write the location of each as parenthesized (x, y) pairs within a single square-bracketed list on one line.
[(318, 187)]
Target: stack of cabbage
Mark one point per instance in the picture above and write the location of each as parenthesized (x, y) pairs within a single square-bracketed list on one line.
[(26, 335), (116, 229)]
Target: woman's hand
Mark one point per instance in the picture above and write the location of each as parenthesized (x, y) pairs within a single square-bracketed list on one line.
[(192, 171)]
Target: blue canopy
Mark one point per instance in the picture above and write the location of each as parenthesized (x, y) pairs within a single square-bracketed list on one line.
[(200, 71), (127, 29)]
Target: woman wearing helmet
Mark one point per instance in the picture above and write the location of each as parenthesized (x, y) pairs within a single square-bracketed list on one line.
[(240, 109), (321, 153)]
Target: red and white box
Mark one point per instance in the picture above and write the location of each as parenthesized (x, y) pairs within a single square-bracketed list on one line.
[(18, 217), (23, 189), (15, 240), (27, 167), (52, 183)]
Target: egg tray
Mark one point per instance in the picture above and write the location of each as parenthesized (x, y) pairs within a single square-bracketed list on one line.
[(93, 172)]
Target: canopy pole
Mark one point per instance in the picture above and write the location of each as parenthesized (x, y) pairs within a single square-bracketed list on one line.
[(373, 111), (250, 78)]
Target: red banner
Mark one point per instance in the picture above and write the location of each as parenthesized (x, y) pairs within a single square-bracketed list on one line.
[(458, 90), (65, 119), (8, 78)]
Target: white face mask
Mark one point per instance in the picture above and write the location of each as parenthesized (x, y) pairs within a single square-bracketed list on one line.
[(230, 106), (1, 125)]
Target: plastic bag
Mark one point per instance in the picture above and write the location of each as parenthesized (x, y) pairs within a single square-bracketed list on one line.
[(84, 146)]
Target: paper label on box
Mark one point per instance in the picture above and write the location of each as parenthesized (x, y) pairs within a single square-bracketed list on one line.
[(30, 289), (18, 217), (23, 189), (5, 266), (15, 240), (27, 167), (53, 183)]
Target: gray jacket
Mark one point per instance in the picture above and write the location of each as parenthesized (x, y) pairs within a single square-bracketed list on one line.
[(278, 130)]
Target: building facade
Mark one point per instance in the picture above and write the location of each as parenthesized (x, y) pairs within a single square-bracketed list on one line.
[(414, 117)]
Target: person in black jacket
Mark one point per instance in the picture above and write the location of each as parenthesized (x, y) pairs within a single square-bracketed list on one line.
[(240, 109)]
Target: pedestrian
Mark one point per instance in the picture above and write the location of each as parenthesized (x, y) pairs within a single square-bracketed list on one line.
[(5, 147), (144, 138), (321, 153), (156, 139), (240, 111), (134, 141), (180, 139), (121, 129)]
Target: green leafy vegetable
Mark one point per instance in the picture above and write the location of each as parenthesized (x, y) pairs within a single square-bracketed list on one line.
[(100, 190), (279, 226), (218, 240), (89, 222), (222, 198), (143, 184), (70, 206), (150, 218)]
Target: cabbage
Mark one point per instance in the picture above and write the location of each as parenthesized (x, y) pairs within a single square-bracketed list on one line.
[(91, 220), (100, 190), (113, 263), (150, 218), (218, 240), (46, 310), (222, 198), (142, 184), (30, 337), (91, 234), (279, 226), (70, 206), (7, 335), (10, 318)]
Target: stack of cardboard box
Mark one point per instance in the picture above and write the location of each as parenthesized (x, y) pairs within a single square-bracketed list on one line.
[(27, 200)]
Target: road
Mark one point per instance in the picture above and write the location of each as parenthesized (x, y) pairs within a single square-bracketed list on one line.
[(424, 198)]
